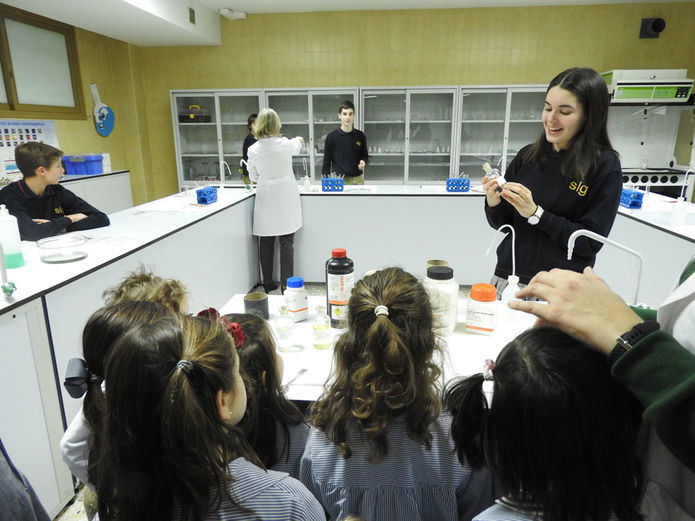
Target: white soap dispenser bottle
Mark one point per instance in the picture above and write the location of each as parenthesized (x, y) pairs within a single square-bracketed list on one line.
[(9, 236)]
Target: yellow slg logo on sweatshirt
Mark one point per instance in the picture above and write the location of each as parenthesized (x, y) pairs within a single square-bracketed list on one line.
[(579, 187)]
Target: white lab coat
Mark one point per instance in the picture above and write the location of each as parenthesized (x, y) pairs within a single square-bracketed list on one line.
[(277, 210)]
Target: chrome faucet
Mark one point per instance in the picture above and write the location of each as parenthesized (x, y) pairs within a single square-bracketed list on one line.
[(605, 240), (492, 241), (222, 165)]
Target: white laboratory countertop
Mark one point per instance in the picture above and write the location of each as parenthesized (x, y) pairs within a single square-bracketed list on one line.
[(464, 353), (139, 226), (129, 231)]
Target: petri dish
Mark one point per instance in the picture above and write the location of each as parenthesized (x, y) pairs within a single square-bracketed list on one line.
[(58, 250)]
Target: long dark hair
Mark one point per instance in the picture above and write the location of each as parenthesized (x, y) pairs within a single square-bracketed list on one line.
[(164, 442), (591, 92), (559, 436), (383, 365), (100, 333), (267, 404)]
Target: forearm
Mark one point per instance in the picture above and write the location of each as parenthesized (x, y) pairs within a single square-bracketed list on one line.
[(660, 373), (32, 231), (96, 220)]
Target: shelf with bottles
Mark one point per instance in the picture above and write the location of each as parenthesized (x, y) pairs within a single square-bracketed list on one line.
[(428, 173), (483, 106), (200, 168)]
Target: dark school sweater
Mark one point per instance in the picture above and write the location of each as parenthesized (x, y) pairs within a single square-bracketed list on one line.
[(568, 205), (343, 151), (55, 203)]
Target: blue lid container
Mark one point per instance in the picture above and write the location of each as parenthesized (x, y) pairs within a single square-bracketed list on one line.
[(295, 282)]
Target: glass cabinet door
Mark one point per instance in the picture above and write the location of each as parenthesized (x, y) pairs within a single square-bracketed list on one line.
[(197, 137), (234, 112), (293, 109), (324, 107), (525, 109), (430, 136), (482, 130), (384, 126)]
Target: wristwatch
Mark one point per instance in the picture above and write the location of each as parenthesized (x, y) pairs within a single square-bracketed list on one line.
[(536, 217), (625, 341)]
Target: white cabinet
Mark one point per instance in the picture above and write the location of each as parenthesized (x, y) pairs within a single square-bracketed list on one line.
[(210, 127), (414, 134), (495, 124), (109, 193)]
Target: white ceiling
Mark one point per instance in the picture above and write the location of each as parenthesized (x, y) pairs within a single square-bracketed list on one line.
[(165, 22)]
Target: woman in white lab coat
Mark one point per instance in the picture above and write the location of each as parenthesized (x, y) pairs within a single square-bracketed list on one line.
[(277, 212)]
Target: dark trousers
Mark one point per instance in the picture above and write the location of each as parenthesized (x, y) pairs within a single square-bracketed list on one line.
[(266, 252)]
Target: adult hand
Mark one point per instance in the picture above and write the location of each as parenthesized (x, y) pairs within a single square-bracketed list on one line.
[(492, 191), (41, 221), (520, 198), (361, 164), (581, 304)]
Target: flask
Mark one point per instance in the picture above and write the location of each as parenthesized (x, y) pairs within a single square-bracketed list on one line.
[(295, 298), (322, 329), (9, 236), (307, 184), (340, 277), (284, 326), (444, 294), (482, 304), (679, 213)]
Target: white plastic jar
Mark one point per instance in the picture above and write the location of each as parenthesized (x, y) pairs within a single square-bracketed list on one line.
[(296, 299), (482, 306), (444, 296)]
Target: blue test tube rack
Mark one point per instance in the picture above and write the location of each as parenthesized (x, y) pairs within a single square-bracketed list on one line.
[(206, 195), (458, 184), (332, 184), (631, 198)]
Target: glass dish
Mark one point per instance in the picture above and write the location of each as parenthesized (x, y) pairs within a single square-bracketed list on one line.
[(57, 250)]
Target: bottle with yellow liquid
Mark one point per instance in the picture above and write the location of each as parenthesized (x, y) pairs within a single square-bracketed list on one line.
[(321, 329)]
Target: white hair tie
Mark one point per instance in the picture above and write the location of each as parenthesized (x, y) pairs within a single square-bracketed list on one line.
[(381, 310)]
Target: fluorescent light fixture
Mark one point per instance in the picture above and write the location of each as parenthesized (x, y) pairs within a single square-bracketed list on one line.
[(232, 14)]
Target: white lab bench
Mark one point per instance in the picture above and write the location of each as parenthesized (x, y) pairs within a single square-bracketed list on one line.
[(211, 250), (463, 353)]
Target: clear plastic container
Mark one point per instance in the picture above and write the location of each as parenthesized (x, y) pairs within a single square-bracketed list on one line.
[(9, 237), (444, 294)]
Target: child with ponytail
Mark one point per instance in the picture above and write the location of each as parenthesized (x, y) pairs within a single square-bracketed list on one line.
[(170, 449), (559, 435), (273, 425), (379, 447)]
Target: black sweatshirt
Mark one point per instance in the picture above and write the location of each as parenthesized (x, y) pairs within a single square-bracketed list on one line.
[(343, 151), (55, 203), (568, 205)]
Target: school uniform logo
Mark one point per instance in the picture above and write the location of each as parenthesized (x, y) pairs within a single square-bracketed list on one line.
[(58, 210), (358, 143), (579, 187)]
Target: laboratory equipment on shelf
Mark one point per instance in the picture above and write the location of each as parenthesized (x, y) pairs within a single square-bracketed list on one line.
[(605, 240)]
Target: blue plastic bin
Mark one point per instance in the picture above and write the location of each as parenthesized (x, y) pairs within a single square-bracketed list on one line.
[(458, 184), (332, 184), (206, 195), (631, 198), (83, 164)]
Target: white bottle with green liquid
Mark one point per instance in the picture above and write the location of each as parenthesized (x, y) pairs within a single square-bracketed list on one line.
[(9, 237)]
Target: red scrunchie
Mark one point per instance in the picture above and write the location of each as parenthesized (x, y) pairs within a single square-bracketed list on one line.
[(233, 328)]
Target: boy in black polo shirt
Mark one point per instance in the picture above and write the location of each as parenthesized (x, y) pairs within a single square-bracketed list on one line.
[(44, 208), (345, 150)]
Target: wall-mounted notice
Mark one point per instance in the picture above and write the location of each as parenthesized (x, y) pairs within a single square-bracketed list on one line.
[(14, 132)]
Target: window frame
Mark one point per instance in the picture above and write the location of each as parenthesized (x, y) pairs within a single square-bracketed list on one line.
[(13, 108)]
